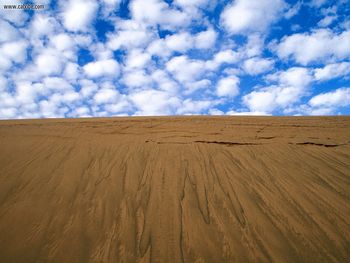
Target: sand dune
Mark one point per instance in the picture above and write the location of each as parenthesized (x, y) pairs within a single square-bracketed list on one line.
[(175, 189)]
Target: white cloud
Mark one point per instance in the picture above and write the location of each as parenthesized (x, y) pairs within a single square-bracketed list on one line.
[(317, 3), (327, 20), (227, 56), (8, 113), (106, 95), (62, 42), (180, 42), (70, 97), (190, 106), (137, 59), (8, 32), (296, 76), (164, 81), (156, 12), (320, 111), (336, 98), (215, 111), (260, 101), (136, 79), (56, 84), (255, 66), (42, 25), (3, 84), (17, 16), (48, 63), (320, 45), (15, 51), (205, 39), (130, 34), (228, 87), (292, 85), (154, 102), (191, 3), (71, 71), (292, 11), (25, 93), (109, 6), (185, 69), (159, 48), (244, 17), (78, 14), (88, 88), (332, 71), (121, 106), (81, 112), (247, 113), (196, 85), (102, 68), (253, 47)]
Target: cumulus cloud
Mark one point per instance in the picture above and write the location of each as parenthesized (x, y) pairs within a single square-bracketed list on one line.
[(254, 46), (14, 51), (296, 76), (129, 35), (185, 69), (42, 25), (156, 12), (48, 63), (102, 68), (247, 113), (244, 17), (106, 95), (317, 3), (137, 79), (321, 45), (137, 59), (205, 39), (261, 101), (227, 56), (17, 17), (255, 66), (332, 71), (190, 106), (62, 42), (154, 102), (327, 20), (182, 42), (291, 85), (179, 42), (8, 32), (336, 98), (78, 15), (110, 6), (228, 87), (293, 10)]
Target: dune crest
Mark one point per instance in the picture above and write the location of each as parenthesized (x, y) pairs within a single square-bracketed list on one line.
[(175, 189)]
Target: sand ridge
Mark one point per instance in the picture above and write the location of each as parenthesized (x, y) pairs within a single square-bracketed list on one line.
[(175, 189)]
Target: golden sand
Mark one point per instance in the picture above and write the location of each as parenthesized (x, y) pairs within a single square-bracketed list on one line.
[(175, 189)]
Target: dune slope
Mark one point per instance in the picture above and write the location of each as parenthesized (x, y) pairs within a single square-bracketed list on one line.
[(175, 189)]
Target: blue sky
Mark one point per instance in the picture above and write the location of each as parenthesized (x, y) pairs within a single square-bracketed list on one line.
[(152, 57)]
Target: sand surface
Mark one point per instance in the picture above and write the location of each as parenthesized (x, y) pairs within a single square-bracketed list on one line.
[(175, 189)]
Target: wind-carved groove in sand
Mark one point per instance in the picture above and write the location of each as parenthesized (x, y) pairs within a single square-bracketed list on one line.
[(229, 192), (207, 142), (318, 144), (228, 143)]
